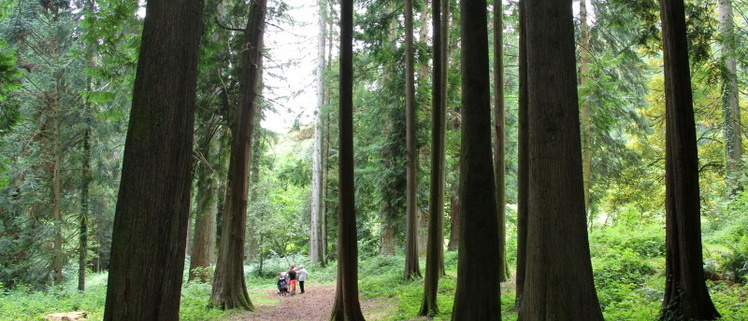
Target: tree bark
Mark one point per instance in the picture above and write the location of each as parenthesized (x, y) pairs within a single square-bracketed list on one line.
[(83, 218), (584, 108), (229, 285), (731, 104), (558, 281), (479, 225), (58, 255), (206, 207), (686, 295), (499, 128), (347, 306), (434, 250), (318, 202), (152, 213), (412, 270), (523, 160)]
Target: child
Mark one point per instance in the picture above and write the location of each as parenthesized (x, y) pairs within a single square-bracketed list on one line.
[(282, 284)]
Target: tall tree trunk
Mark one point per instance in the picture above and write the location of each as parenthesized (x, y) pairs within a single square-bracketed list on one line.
[(412, 270), (347, 306), (151, 218), (57, 190), (206, 207), (444, 32), (730, 105), (523, 160), (83, 231), (686, 295), (584, 107), (434, 251), (318, 202), (424, 72), (229, 285), (479, 224), (558, 281), (499, 128)]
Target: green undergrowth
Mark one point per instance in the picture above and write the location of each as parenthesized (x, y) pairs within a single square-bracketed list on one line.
[(628, 267)]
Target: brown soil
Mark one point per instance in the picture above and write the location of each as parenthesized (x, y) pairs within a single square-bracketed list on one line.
[(315, 304)]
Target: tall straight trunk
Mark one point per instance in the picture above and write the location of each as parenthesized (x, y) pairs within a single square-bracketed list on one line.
[(444, 32), (479, 224), (151, 218), (57, 265), (424, 73), (730, 104), (316, 243), (347, 306), (206, 207), (434, 251), (412, 270), (686, 295), (584, 107), (83, 218), (558, 281), (229, 285), (499, 128), (523, 160)]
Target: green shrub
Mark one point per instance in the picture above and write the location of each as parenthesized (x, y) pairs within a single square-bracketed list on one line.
[(648, 241), (624, 266)]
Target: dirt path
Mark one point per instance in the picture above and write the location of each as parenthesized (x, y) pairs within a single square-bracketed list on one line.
[(315, 304)]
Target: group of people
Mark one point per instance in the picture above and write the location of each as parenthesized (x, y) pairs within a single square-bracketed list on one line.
[(287, 280)]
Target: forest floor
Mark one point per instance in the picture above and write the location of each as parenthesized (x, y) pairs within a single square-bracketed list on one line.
[(315, 304)]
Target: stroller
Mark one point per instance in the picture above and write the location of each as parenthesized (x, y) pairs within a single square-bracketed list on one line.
[(282, 285)]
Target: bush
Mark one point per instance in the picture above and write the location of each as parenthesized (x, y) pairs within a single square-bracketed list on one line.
[(648, 241)]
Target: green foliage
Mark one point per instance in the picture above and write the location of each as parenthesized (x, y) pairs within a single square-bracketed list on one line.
[(26, 304), (646, 240), (624, 262), (727, 241), (193, 305)]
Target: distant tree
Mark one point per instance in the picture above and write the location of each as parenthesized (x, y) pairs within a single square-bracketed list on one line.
[(150, 226), (584, 106), (523, 174), (686, 295), (317, 228), (347, 306), (229, 285), (479, 224), (206, 197), (84, 211), (731, 98), (412, 269), (558, 272), (434, 250)]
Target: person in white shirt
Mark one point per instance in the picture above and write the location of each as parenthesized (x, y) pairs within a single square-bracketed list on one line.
[(301, 275)]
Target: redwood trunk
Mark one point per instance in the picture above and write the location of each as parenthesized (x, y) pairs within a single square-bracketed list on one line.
[(686, 295), (412, 270), (347, 306), (434, 250), (151, 218), (204, 236), (558, 281), (479, 225), (229, 285)]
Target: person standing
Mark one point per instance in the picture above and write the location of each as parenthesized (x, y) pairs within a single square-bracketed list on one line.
[(292, 279), (301, 275)]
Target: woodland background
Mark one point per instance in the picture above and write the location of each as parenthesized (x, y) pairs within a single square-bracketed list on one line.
[(66, 78)]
